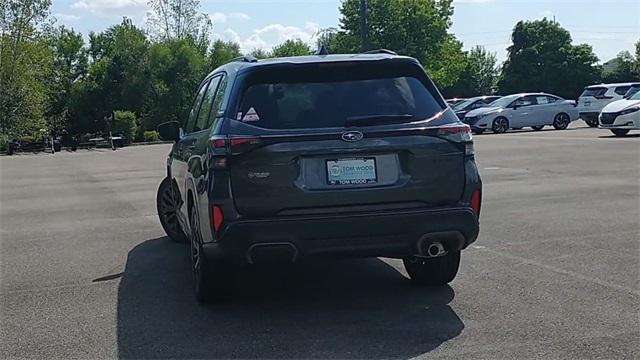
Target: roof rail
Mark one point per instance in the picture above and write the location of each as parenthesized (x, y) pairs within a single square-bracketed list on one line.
[(380, 51), (245, 58)]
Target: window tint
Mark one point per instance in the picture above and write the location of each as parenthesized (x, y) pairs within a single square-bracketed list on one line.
[(333, 104), (217, 102), (193, 115), (634, 89), (594, 91), (552, 99), (203, 115), (621, 90), (477, 104), (541, 100), (526, 101), (488, 100)]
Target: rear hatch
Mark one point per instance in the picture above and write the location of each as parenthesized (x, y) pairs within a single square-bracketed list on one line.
[(331, 138), (593, 99)]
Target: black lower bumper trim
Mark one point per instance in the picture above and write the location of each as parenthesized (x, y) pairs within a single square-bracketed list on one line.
[(388, 234)]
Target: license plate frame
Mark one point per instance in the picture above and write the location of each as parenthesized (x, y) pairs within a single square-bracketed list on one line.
[(351, 171)]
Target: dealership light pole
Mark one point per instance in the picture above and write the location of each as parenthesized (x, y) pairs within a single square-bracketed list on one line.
[(363, 25)]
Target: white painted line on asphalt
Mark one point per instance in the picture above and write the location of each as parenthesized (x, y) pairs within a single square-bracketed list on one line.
[(566, 272)]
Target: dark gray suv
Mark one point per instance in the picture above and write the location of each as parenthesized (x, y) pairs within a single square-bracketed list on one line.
[(315, 156)]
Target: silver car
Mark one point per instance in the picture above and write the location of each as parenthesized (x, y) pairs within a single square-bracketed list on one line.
[(535, 110)]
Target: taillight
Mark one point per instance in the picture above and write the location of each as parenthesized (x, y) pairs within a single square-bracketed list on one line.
[(217, 217), (458, 133), (235, 145), (219, 143), (476, 200)]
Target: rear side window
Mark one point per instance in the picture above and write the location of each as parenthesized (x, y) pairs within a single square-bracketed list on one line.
[(594, 91), (621, 90), (193, 115), (336, 99), (541, 100), (526, 101), (204, 120)]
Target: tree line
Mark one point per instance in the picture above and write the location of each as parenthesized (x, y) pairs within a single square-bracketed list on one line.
[(130, 78)]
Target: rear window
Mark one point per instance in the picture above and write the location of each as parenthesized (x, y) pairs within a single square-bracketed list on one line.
[(594, 91), (621, 90), (634, 89), (338, 98)]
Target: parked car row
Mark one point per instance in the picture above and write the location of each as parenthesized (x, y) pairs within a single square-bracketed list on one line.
[(610, 106), (499, 114), (595, 97)]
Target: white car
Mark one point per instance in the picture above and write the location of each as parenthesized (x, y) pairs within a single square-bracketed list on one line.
[(595, 97), (516, 111), (622, 115)]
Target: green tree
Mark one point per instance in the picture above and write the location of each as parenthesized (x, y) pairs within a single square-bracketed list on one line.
[(478, 77), (622, 68), (221, 52), (416, 28), (333, 40), (176, 69), (542, 58), (68, 65), (295, 47), (259, 53), (23, 53), (448, 67)]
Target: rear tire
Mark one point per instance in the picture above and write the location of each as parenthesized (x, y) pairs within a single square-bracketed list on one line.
[(619, 132), (500, 125), (537, 127), (212, 279), (434, 271), (591, 122), (561, 121), (167, 200)]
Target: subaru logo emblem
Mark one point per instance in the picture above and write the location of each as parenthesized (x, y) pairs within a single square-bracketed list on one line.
[(352, 136)]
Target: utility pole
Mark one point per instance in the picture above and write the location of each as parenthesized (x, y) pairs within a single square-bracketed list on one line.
[(364, 29)]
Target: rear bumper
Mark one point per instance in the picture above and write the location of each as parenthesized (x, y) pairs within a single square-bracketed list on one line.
[(388, 234), (589, 115)]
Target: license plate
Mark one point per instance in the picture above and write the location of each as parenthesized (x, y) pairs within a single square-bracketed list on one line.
[(352, 171)]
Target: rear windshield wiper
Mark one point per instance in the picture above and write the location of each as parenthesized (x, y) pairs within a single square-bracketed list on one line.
[(378, 119)]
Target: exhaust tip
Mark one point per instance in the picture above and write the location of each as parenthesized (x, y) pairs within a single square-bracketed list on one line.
[(434, 249)]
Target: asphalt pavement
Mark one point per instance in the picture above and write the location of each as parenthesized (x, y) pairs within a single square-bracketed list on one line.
[(86, 272)]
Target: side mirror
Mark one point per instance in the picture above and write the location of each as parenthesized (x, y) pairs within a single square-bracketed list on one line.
[(515, 106), (169, 130)]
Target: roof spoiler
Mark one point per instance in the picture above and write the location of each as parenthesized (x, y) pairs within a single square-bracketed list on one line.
[(380, 51), (245, 58)]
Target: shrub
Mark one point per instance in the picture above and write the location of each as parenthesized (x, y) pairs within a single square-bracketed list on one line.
[(4, 142), (151, 136), (125, 123)]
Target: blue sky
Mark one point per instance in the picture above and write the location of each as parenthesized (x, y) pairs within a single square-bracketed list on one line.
[(610, 26)]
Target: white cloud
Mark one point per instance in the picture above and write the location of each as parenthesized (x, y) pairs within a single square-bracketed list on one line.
[(110, 6), (221, 18), (66, 18), (273, 34), (547, 13)]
